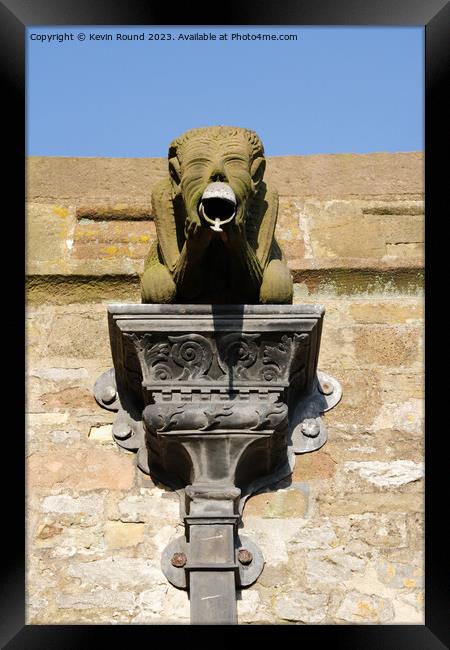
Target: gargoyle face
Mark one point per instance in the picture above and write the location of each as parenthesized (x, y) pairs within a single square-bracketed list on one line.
[(216, 176)]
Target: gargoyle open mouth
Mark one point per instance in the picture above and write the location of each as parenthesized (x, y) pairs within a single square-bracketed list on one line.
[(218, 205)]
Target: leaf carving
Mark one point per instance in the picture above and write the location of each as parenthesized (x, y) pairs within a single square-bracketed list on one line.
[(213, 415)]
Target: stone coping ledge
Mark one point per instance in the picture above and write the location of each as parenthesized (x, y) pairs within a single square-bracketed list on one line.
[(353, 222), (67, 289), (106, 212), (349, 264), (391, 205), (134, 268), (119, 180)]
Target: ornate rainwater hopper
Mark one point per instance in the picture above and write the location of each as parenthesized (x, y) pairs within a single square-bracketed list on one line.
[(216, 398)]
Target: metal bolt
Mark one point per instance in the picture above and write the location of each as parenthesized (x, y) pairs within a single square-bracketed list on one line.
[(109, 394), (326, 388), (123, 433), (244, 556), (310, 428), (178, 560)]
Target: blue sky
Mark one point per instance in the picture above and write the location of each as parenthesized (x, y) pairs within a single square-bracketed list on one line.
[(333, 90)]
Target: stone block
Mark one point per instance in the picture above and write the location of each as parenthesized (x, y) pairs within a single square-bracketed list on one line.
[(406, 416), (353, 503), (66, 504), (176, 607), (248, 605), (118, 571), (69, 539), (397, 575), (120, 535), (37, 327), (337, 347), (363, 398), (151, 504), (102, 434), (409, 608), (318, 537), (71, 399), (49, 228), (369, 443), (392, 474), (279, 505), (103, 598), (81, 469), (362, 608), (380, 530), (385, 312), (416, 532), (151, 603), (277, 575), (411, 613), (302, 607), (46, 419), (113, 253), (35, 606), (94, 180), (63, 375), (82, 336), (387, 346), (288, 233), (317, 466), (273, 536), (333, 176), (330, 567), (114, 233), (49, 531), (364, 229)]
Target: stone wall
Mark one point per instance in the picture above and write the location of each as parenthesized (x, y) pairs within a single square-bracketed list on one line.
[(343, 538)]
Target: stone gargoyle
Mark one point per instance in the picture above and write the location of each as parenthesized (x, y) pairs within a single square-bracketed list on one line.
[(215, 222)]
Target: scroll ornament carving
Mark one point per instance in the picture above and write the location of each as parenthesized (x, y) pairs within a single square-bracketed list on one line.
[(276, 358), (240, 355), (239, 352), (189, 356)]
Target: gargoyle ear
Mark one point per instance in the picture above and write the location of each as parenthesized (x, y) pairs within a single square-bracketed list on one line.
[(257, 169), (174, 170)]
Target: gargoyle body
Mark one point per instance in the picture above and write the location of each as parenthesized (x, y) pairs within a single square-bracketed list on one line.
[(215, 222)]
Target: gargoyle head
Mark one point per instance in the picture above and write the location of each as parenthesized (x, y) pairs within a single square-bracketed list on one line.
[(216, 170)]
